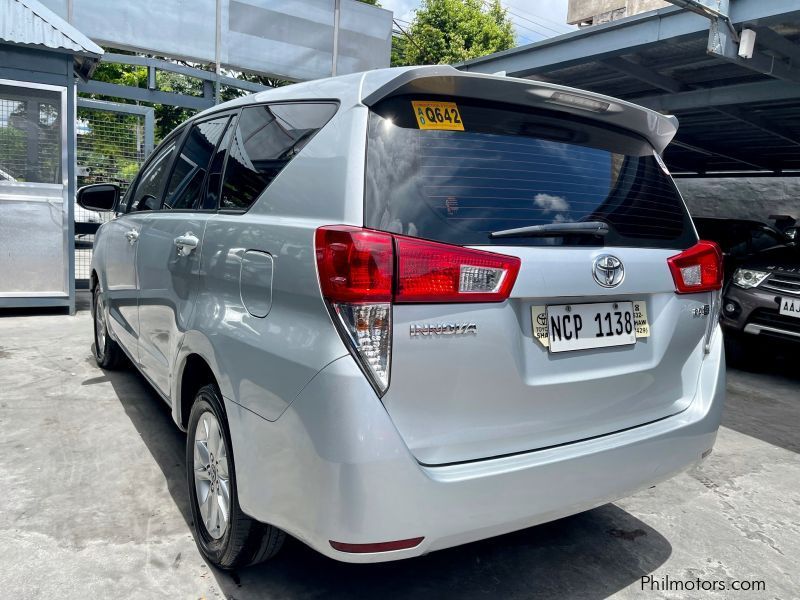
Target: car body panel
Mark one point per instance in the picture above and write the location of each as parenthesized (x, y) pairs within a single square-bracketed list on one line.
[(500, 391), (167, 289), (317, 452), (338, 444), (119, 277)]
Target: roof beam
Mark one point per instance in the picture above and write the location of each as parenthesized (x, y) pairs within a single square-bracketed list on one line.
[(777, 43), (154, 64), (643, 74), (723, 41), (760, 123), (722, 154), (623, 37), (761, 63), (669, 84), (128, 92), (743, 93)]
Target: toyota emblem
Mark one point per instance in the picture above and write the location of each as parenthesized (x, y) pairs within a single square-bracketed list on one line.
[(608, 271)]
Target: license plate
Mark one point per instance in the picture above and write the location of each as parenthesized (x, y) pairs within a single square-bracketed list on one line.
[(790, 307), (583, 326)]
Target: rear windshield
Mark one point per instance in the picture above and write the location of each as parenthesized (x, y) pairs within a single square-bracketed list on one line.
[(511, 168)]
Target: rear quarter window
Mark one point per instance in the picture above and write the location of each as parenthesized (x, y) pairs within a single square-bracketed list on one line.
[(267, 138), (511, 168)]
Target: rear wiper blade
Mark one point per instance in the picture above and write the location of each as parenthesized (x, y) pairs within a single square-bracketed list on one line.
[(554, 230)]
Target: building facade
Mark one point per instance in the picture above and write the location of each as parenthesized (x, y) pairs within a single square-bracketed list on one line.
[(584, 13)]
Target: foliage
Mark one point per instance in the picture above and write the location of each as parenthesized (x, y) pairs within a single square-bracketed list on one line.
[(108, 146), (450, 31)]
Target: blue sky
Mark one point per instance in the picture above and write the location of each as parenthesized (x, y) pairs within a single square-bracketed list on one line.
[(533, 19)]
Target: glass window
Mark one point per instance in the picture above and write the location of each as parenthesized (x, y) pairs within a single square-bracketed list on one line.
[(764, 238), (512, 168), (266, 139), (147, 194), (214, 182), (191, 165), (30, 135)]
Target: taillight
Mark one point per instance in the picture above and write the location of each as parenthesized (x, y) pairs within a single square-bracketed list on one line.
[(434, 272), (698, 269), (356, 274), (354, 264), (362, 272)]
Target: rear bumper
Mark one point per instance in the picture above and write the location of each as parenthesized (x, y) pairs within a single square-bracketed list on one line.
[(333, 467)]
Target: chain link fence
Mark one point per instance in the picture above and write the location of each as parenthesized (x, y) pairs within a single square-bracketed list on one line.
[(113, 141)]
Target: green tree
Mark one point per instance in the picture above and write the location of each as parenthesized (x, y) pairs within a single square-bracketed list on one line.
[(450, 31)]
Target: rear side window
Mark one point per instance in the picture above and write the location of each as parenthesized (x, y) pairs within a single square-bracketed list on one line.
[(267, 138), (191, 165), (513, 168)]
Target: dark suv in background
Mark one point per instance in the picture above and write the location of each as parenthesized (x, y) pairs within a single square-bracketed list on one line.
[(761, 298), (739, 239)]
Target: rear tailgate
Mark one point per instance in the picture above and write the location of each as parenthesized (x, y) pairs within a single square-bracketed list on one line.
[(463, 397), (472, 380)]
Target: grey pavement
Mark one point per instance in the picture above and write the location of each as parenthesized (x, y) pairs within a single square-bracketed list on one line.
[(94, 502)]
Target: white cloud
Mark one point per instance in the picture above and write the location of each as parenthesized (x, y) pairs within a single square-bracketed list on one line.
[(549, 203)]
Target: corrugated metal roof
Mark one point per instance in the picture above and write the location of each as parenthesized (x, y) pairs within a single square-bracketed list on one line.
[(29, 22)]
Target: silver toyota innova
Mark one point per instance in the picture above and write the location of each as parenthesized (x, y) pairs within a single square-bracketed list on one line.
[(407, 309)]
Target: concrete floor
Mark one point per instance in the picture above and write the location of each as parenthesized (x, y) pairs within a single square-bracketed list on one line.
[(94, 502)]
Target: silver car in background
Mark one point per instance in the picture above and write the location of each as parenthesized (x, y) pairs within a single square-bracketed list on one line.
[(403, 310)]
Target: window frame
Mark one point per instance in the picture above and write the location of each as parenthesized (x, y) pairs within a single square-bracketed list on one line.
[(233, 118), (177, 135), (241, 211), (182, 131)]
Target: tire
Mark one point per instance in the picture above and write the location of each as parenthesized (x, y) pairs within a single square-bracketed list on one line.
[(107, 352), (239, 541)]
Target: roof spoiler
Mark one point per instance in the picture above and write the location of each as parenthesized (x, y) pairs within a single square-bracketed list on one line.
[(445, 80)]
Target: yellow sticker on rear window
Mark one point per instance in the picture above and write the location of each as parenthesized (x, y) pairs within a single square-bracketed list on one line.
[(438, 115)]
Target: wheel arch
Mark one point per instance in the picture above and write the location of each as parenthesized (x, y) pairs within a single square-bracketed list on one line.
[(195, 373)]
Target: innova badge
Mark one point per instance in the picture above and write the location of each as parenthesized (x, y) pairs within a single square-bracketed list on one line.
[(608, 271)]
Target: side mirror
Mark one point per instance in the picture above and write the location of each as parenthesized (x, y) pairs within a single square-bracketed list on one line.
[(98, 196), (792, 233)]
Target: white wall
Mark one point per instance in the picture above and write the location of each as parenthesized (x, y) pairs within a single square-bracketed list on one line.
[(742, 197)]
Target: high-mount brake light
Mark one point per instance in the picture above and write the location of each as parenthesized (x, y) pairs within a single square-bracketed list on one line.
[(698, 269), (362, 272)]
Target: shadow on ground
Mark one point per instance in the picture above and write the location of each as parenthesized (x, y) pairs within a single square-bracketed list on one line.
[(591, 555), (763, 400)]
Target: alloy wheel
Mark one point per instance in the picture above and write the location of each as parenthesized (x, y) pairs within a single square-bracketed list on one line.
[(211, 478)]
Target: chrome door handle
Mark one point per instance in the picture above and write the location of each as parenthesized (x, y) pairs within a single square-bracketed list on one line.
[(132, 236), (186, 243)]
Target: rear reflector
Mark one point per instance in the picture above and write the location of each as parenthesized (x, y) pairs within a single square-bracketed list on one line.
[(698, 269), (377, 547), (368, 329)]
